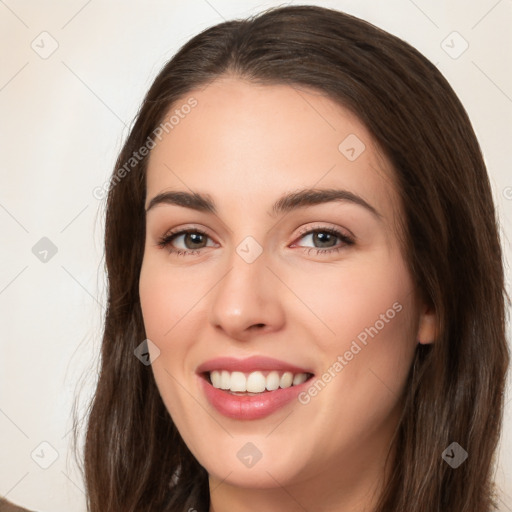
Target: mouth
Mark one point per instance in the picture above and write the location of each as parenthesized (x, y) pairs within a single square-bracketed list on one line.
[(256, 382), (248, 389)]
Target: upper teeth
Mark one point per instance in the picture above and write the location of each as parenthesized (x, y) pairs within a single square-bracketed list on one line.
[(255, 382)]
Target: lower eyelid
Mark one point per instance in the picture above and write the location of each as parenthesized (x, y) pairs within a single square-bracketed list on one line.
[(318, 250), (342, 237), (166, 240)]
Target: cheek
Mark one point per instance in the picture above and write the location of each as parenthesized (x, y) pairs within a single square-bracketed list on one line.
[(166, 298), (371, 291), (376, 332), (170, 305), (163, 312), (369, 318)]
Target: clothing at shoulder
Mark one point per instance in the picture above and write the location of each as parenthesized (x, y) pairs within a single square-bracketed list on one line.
[(7, 506)]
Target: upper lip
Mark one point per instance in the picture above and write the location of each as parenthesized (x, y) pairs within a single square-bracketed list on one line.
[(249, 365)]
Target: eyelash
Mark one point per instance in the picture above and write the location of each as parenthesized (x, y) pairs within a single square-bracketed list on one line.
[(165, 241)]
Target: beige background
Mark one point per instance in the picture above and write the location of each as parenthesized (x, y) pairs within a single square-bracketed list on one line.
[(63, 119)]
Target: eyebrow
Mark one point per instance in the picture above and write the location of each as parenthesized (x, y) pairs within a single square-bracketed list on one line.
[(285, 204)]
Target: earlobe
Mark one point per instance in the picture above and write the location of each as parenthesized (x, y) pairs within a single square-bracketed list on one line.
[(427, 326)]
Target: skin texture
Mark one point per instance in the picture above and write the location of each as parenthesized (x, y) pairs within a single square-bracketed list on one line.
[(245, 145)]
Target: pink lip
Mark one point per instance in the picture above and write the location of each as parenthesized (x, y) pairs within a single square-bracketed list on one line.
[(241, 407), (249, 364), (245, 407)]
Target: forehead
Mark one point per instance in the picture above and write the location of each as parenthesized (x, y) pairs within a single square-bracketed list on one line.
[(246, 143)]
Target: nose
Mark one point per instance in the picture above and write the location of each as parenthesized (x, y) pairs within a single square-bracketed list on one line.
[(246, 300)]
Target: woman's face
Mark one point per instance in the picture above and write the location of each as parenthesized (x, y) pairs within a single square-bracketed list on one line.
[(274, 284)]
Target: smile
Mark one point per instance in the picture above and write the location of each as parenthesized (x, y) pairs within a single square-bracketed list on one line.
[(251, 388), (255, 382)]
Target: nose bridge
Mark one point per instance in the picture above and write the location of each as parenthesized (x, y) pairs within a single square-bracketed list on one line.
[(246, 295)]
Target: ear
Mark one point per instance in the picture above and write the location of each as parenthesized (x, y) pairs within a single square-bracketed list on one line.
[(427, 325)]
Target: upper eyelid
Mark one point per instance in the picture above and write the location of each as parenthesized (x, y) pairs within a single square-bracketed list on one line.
[(327, 227), (174, 233), (180, 231)]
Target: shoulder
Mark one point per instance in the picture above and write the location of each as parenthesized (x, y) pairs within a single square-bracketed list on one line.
[(7, 506)]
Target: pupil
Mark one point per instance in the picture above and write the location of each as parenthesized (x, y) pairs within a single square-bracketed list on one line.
[(322, 238), (196, 238)]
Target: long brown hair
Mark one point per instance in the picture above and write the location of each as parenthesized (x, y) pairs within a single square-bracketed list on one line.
[(133, 452)]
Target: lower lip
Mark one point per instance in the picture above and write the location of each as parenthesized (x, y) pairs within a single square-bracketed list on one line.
[(241, 407)]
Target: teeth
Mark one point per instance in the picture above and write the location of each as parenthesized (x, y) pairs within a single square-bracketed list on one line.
[(255, 382), (286, 380), (272, 381), (238, 382), (216, 379), (225, 379), (299, 378)]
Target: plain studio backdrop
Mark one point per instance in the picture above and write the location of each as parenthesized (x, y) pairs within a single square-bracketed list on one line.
[(72, 77)]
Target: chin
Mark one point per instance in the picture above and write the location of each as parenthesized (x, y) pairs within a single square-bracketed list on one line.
[(240, 463), (260, 476)]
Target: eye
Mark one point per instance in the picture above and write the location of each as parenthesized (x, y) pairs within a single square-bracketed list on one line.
[(324, 240), (192, 239)]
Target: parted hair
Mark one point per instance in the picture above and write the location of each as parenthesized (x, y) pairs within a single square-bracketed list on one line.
[(134, 457)]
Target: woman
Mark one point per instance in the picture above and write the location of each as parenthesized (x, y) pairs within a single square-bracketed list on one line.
[(301, 240)]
